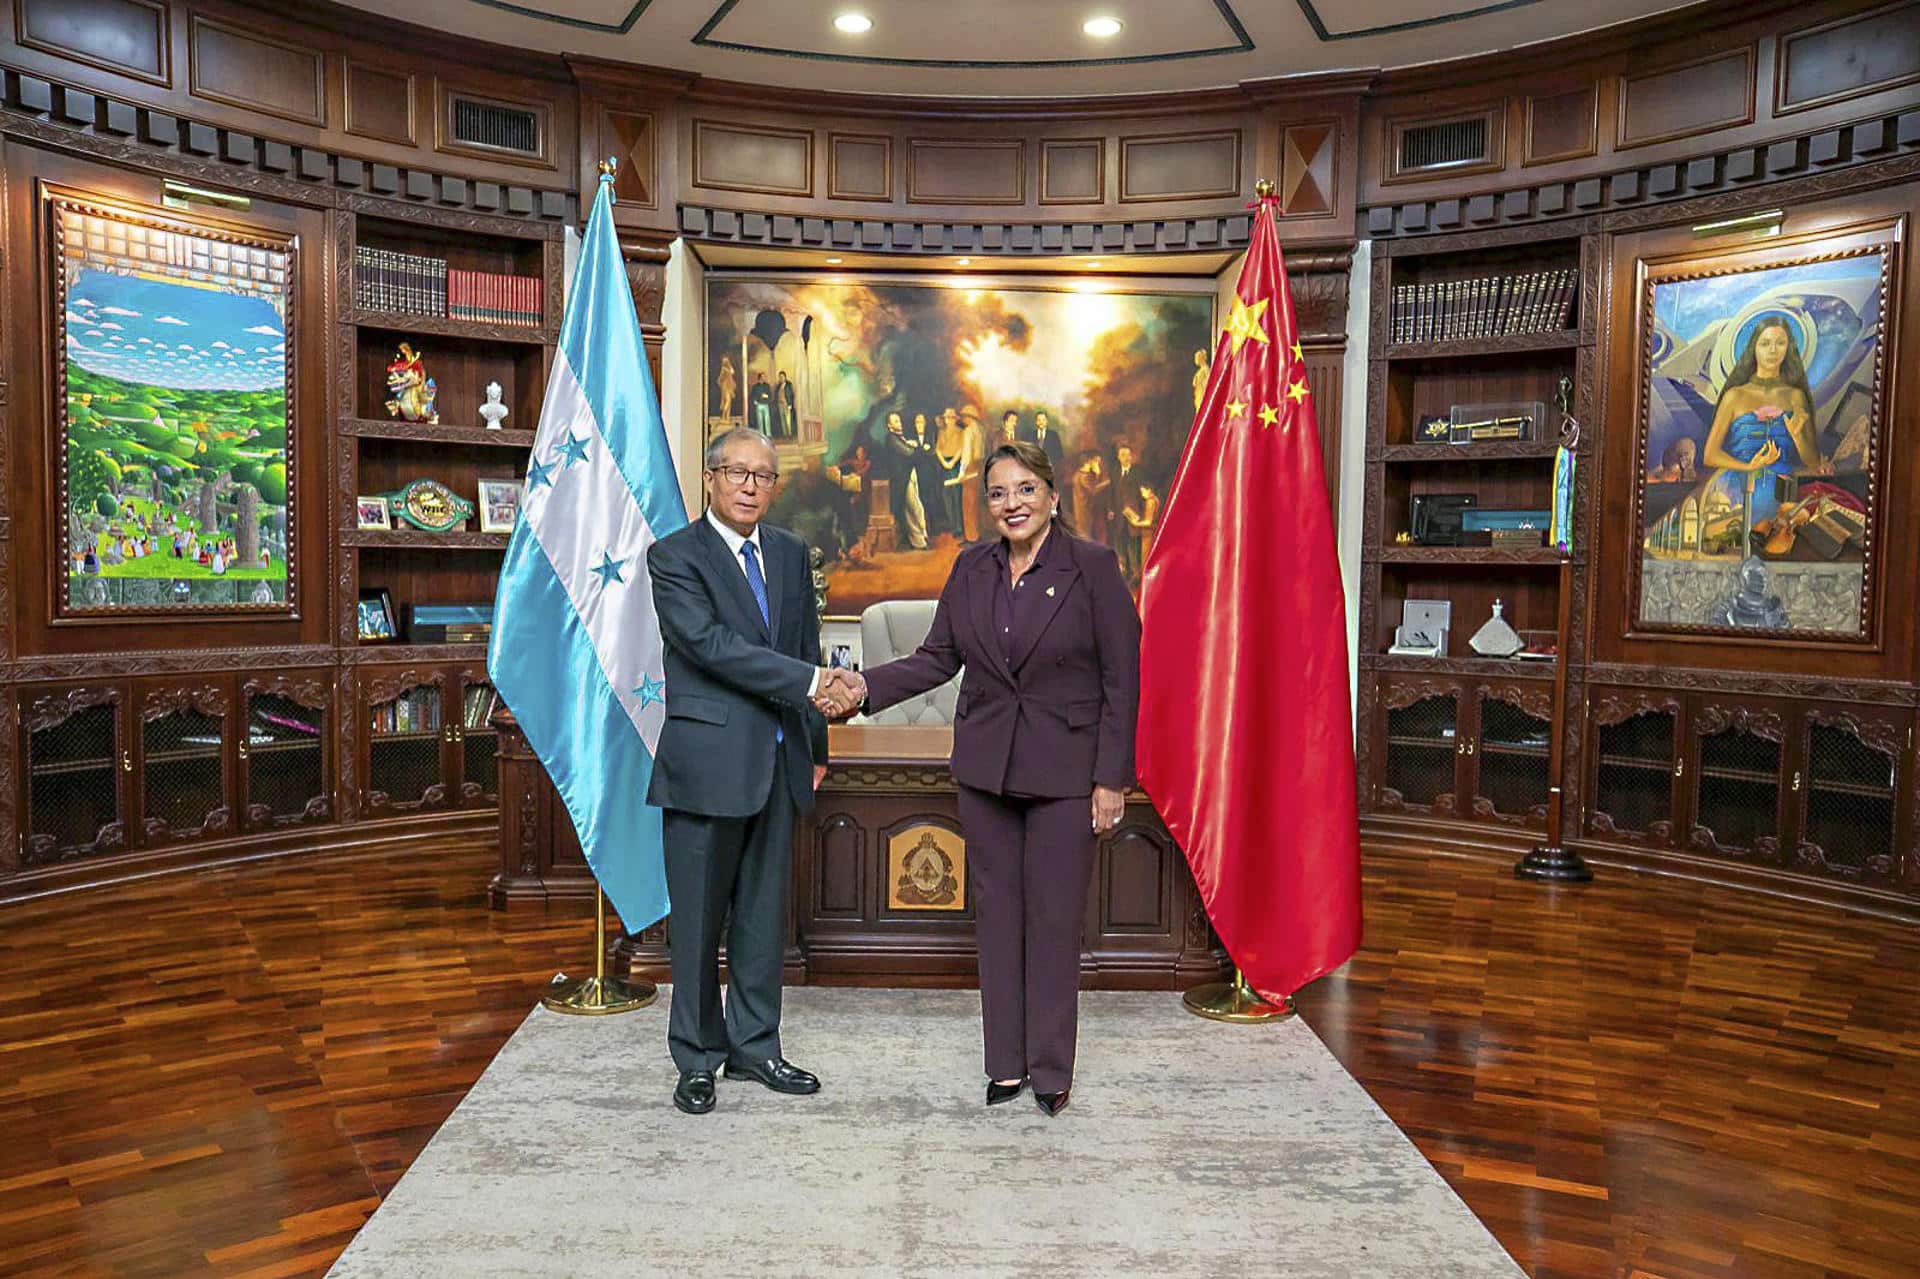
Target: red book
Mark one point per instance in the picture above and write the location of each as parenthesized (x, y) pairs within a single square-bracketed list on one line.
[(1245, 732)]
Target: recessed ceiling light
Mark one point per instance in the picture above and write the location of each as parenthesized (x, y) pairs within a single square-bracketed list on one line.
[(963, 261), (1102, 28), (1093, 264), (853, 24)]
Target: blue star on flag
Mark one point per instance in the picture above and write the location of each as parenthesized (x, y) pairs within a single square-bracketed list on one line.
[(573, 448), (608, 569), (651, 690), (538, 473)]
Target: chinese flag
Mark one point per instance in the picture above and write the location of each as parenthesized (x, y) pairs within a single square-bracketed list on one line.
[(1246, 738)]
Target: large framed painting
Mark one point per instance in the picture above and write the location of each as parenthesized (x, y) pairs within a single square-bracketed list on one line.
[(882, 395), (173, 394), (1762, 400)]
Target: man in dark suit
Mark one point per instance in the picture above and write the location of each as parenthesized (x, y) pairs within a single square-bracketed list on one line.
[(740, 754), (1044, 435)]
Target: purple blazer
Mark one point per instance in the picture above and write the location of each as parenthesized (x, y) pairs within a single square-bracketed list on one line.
[(1056, 720)]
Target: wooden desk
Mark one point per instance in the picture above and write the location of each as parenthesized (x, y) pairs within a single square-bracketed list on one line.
[(880, 892)]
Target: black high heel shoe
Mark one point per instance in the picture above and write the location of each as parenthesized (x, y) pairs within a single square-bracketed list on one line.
[(1051, 1103), (998, 1092)]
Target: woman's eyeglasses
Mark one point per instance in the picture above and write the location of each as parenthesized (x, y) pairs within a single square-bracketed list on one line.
[(999, 496)]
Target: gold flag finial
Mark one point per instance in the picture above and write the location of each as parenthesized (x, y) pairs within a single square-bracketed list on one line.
[(1265, 189), (608, 165)]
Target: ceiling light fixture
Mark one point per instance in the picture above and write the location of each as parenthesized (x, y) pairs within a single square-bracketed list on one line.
[(1093, 265), (835, 261), (1102, 28), (963, 261), (853, 24)]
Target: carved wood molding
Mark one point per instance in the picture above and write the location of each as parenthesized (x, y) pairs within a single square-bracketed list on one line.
[(1534, 699), (311, 692), (1617, 708), (1717, 717), (1795, 169), (1693, 679), (11, 846), (347, 745), (1402, 693), (889, 777), (1881, 735), (389, 685), (50, 710), (177, 146), (49, 669), (208, 699)]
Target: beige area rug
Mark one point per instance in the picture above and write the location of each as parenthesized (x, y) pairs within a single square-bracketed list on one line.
[(1191, 1148)]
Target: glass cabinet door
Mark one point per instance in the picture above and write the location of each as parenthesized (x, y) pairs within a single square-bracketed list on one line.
[(283, 758), (1635, 740), (1510, 746), (407, 733), (1738, 753), (183, 761), (476, 744), (1423, 747), (74, 763), (1851, 795)]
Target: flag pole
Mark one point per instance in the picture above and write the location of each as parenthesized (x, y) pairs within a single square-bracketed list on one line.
[(598, 995)]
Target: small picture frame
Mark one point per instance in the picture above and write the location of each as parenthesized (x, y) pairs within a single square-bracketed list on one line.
[(375, 616), (499, 505), (372, 513)]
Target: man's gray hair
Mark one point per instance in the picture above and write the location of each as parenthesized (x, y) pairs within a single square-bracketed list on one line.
[(717, 446)]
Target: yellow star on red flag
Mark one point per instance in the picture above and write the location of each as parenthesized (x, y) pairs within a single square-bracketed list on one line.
[(1297, 391), (1269, 415), (1236, 408), (1245, 322)]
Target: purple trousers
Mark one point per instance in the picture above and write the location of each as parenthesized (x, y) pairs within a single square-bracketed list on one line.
[(1031, 861)]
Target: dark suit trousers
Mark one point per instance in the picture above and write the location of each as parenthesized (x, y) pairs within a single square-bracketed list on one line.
[(1031, 861), (733, 869)]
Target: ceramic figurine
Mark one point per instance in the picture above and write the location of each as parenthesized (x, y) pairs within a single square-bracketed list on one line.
[(412, 390), (493, 410)]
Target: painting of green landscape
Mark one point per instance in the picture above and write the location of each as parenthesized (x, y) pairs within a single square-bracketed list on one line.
[(176, 426)]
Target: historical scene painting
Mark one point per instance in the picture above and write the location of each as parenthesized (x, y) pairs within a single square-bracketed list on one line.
[(173, 376), (882, 399), (1762, 422)]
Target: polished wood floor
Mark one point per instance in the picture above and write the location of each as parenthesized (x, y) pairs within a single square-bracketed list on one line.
[(1648, 1079)]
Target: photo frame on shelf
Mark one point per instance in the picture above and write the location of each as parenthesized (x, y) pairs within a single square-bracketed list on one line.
[(375, 616), (370, 512), (1761, 438), (499, 505), (173, 428)]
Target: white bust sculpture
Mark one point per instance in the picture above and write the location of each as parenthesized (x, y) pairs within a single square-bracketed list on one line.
[(493, 410)]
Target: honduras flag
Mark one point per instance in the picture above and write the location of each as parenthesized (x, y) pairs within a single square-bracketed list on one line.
[(576, 651)]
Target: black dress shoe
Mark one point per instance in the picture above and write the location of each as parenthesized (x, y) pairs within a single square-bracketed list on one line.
[(1052, 1103), (998, 1092), (694, 1092), (776, 1073)]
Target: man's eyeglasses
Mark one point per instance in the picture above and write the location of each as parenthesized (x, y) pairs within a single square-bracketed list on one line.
[(737, 475), (1026, 492)]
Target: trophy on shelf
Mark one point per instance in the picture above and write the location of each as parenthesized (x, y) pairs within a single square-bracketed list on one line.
[(412, 391), (1496, 638), (429, 505)]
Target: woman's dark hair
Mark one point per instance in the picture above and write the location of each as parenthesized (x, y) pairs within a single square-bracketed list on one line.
[(1035, 459), (1792, 371)]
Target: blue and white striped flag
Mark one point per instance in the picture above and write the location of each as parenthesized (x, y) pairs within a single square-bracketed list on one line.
[(576, 651)]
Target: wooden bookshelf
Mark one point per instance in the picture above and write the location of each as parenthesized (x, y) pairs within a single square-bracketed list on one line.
[(1461, 737)]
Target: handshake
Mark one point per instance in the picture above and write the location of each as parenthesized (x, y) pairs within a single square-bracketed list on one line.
[(840, 692)]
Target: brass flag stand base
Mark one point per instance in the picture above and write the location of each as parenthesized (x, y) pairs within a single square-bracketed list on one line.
[(1234, 1001), (598, 995)]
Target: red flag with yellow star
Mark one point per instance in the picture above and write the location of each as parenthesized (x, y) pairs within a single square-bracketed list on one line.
[(1245, 734)]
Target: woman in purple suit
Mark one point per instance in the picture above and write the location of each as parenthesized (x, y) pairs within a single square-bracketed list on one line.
[(1042, 753)]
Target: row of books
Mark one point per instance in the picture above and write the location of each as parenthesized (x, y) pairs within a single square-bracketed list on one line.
[(415, 711), (480, 702), (1447, 310), (415, 284)]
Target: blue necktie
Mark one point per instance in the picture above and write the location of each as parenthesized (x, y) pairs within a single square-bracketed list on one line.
[(758, 582)]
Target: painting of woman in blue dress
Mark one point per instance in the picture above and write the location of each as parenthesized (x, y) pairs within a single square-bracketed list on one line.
[(1761, 438)]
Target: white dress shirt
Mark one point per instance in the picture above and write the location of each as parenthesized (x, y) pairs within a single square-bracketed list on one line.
[(734, 542)]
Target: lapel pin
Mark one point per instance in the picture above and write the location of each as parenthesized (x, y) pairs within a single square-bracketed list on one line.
[(1049, 592)]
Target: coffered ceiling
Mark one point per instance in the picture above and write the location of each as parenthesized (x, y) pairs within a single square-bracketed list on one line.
[(1014, 48)]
